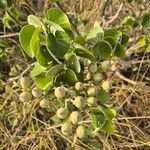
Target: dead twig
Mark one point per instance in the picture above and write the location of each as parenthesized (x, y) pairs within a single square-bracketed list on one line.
[(9, 35)]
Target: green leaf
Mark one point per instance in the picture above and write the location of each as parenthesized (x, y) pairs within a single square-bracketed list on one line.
[(38, 69), (95, 32), (111, 41), (128, 21), (113, 33), (74, 63), (82, 52), (98, 118), (103, 49), (146, 20), (79, 40), (59, 17), (125, 38), (52, 72), (110, 113), (58, 44), (43, 82), (43, 56), (102, 96), (35, 21), (119, 51), (35, 41), (108, 127), (3, 4), (142, 40), (25, 38)]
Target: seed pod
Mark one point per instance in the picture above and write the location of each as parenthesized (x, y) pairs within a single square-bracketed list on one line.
[(71, 93), (25, 96), (105, 65), (91, 91), (74, 117), (62, 113), (80, 132), (66, 129), (97, 77), (106, 85), (79, 102), (44, 103), (93, 67), (91, 101), (25, 82), (60, 92), (79, 86), (36, 92)]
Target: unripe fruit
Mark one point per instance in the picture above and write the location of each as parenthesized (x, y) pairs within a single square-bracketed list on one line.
[(113, 68), (25, 96), (91, 91), (106, 85), (36, 92), (62, 113), (60, 92), (93, 67), (71, 93), (66, 129), (91, 101), (79, 86), (74, 117), (80, 132), (25, 82), (79, 102), (98, 77), (44, 103), (105, 65)]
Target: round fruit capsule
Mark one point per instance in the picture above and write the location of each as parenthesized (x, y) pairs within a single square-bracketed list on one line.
[(80, 132), (36, 92), (25, 96), (62, 113), (79, 102), (91, 101), (25, 82), (3, 4), (93, 67), (44, 103), (91, 91), (97, 77), (106, 85), (66, 129), (60, 92), (105, 65), (71, 93), (74, 117), (79, 86)]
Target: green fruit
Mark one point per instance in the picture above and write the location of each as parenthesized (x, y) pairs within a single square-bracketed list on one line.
[(60, 92), (66, 129), (106, 85), (79, 102), (74, 117), (44, 103), (25, 96), (91, 91), (97, 77), (93, 67), (71, 93), (25, 82), (80, 132), (105, 65), (62, 113), (91, 101), (3, 4), (36, 92), (79, 86)]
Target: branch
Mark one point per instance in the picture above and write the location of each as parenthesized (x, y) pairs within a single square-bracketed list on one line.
[(9, 35)]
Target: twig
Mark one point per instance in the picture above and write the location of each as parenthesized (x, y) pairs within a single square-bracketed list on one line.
[(9, 35), (125, 79), (140, 117), (102, 12), (113, 18)]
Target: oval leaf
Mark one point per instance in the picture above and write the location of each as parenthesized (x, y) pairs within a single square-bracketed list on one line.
[(119, 51), (35, 21)]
